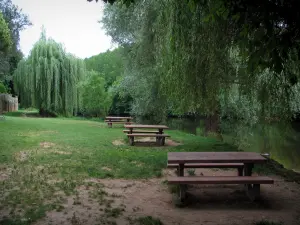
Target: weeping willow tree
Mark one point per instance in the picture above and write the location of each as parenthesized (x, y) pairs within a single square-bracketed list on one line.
[(48, 78), (178, 55)]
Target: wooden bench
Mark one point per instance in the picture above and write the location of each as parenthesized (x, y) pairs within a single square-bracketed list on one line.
[(252, 184), (239, 166), (160, 138)]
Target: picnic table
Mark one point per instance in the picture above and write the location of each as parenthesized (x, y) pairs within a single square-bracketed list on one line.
[(117, 119), (135, 130), (219, 160)]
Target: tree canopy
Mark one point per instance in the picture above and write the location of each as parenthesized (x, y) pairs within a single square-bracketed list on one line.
[(267, 32), (182, 58), (109, 65), (16, 21), (5, 38), (48, 78)]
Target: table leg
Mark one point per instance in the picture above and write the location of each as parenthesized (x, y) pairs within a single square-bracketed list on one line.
[(109, 123), (240, 171), (252, 190), (182, 187), (131, 141), (248, 169), (160, 140), (157, 141), (181, 170)]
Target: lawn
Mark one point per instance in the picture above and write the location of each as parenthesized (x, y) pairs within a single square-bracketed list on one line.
[(41, 157)]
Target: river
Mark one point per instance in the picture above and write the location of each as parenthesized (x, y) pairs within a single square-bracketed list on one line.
[(283, 144)]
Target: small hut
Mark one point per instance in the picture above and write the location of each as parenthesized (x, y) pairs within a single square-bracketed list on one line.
[(8, 103)]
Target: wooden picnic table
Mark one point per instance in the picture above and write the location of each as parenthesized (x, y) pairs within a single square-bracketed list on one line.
[(248, 158), (117, 119), (252, 184), (143, 126), (159, 135)]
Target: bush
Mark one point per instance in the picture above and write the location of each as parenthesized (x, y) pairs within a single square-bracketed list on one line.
[(2, 88)]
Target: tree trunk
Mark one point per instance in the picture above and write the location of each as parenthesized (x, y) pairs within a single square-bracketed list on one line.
[(212, 125)]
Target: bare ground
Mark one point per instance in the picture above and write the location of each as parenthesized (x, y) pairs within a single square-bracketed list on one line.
[(146, 142), (208, 204)]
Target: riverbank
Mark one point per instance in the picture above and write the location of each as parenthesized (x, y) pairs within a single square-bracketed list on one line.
[(73, 170)]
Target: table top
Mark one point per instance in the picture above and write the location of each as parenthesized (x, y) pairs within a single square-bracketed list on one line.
[(215, 157), (117, 117), (146, 126)]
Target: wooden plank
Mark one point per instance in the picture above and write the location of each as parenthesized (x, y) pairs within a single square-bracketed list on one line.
[(220, 180), (120, 122), (118, 117), (141, 131), (148, 135), (208, 165), (147, 126), (215, 157)]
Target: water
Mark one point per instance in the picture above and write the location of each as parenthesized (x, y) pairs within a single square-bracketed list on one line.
[(283, 144)]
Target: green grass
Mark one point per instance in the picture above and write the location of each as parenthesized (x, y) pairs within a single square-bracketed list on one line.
[(148, 220), (66, 151)]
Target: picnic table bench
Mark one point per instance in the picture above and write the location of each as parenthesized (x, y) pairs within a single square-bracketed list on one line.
[(117, 120), (134, 130), (218, 160)]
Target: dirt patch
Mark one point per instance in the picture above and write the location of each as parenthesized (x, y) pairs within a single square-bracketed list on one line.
[(47, 144), (208, 204), (61, 152), (170, 142), (21, 156), (118, 142), (5, 173), (139, 164), (37, 133), (106, 168), (151, 141), (101, 125)]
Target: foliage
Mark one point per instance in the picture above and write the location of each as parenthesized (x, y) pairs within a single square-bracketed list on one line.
[(148, 220), (2, 88), (48, 78), (109, 64), (141, 77), (5, 38), (266, 36), (16, 21), (96, 100), (182, 58)]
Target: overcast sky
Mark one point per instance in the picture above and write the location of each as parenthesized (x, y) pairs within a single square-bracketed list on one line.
[(71, 22)]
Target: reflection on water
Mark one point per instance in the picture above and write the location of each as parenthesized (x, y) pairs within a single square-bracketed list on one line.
[(283, 144)]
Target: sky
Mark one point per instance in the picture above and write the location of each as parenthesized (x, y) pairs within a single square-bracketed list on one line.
[(71, 22)]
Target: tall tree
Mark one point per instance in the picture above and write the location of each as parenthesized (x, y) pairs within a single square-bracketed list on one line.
[(5, 37), (179, 52), (16, 21), (109, 65), (266, 31), (132, 27), (96, 101), (48, 78)]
